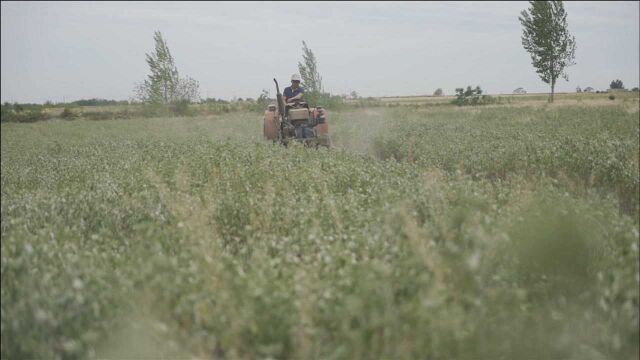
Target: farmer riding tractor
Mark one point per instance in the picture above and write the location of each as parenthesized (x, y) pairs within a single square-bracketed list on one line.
[(293, 120)]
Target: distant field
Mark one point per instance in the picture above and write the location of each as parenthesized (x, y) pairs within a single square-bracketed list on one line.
[(561, 99), (507, 231), (528, 99)]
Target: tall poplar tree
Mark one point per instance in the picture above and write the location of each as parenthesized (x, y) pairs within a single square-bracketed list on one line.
[(547, 39), (308, 68), (164, 85)]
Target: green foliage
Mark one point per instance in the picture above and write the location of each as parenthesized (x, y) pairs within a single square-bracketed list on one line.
[(366, 102), (180, 108), (261, 103), (470, 234), (473, 97), (546, 37), (616, 84), (325, 100), (97, 115), (154, 110), (163, 80), (97, 102), (595, 147), (164, 85), (68, 114), (213, 101), (308, 68), (5, 111), (11, 114)]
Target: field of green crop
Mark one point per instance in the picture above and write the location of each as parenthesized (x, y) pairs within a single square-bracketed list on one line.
[(498, 232)]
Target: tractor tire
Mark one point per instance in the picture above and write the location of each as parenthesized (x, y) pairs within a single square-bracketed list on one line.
[(270, 128), (322, 129)]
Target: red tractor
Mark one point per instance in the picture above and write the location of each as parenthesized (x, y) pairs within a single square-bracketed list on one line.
[(296, 121)]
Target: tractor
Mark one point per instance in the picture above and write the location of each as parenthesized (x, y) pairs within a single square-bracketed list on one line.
[(296, 121)]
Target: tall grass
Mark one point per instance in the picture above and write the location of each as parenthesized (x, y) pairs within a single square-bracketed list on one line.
[(191, 237), (584, 148)]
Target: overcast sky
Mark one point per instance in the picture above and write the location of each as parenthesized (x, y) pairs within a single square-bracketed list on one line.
[(78, 50)]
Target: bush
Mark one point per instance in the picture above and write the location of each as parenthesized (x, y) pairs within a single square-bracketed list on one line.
[(262, 102), (124, 114), (68, 114), (612, 97), (153, 110), (5, 111), (33, 115), (180, 108), (106, 115), (473, 97), (616, 84), (97, 102), (325, 100)]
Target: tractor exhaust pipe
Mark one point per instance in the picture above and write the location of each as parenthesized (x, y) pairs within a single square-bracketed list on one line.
[(281, 109), (279, 100)]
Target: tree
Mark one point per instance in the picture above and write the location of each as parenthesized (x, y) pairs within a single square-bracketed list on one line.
[(438, 92), (616, 84), (578, 89), (188, 90), (354, 94), (308, 68), (546, 37), (164, 85)]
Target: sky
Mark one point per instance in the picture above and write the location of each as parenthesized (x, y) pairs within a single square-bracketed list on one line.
[(65, 51)]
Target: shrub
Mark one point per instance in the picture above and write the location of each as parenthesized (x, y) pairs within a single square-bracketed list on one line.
[(33, 115), (96, 102), (325, 100), (473, 97), (124, 114), (616, 84), (262, 101), (180, 108), (68, 114), (612, 97), (153, 110)]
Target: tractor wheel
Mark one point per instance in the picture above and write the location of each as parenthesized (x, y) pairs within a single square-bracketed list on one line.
[(270, 129), (323, 128)]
